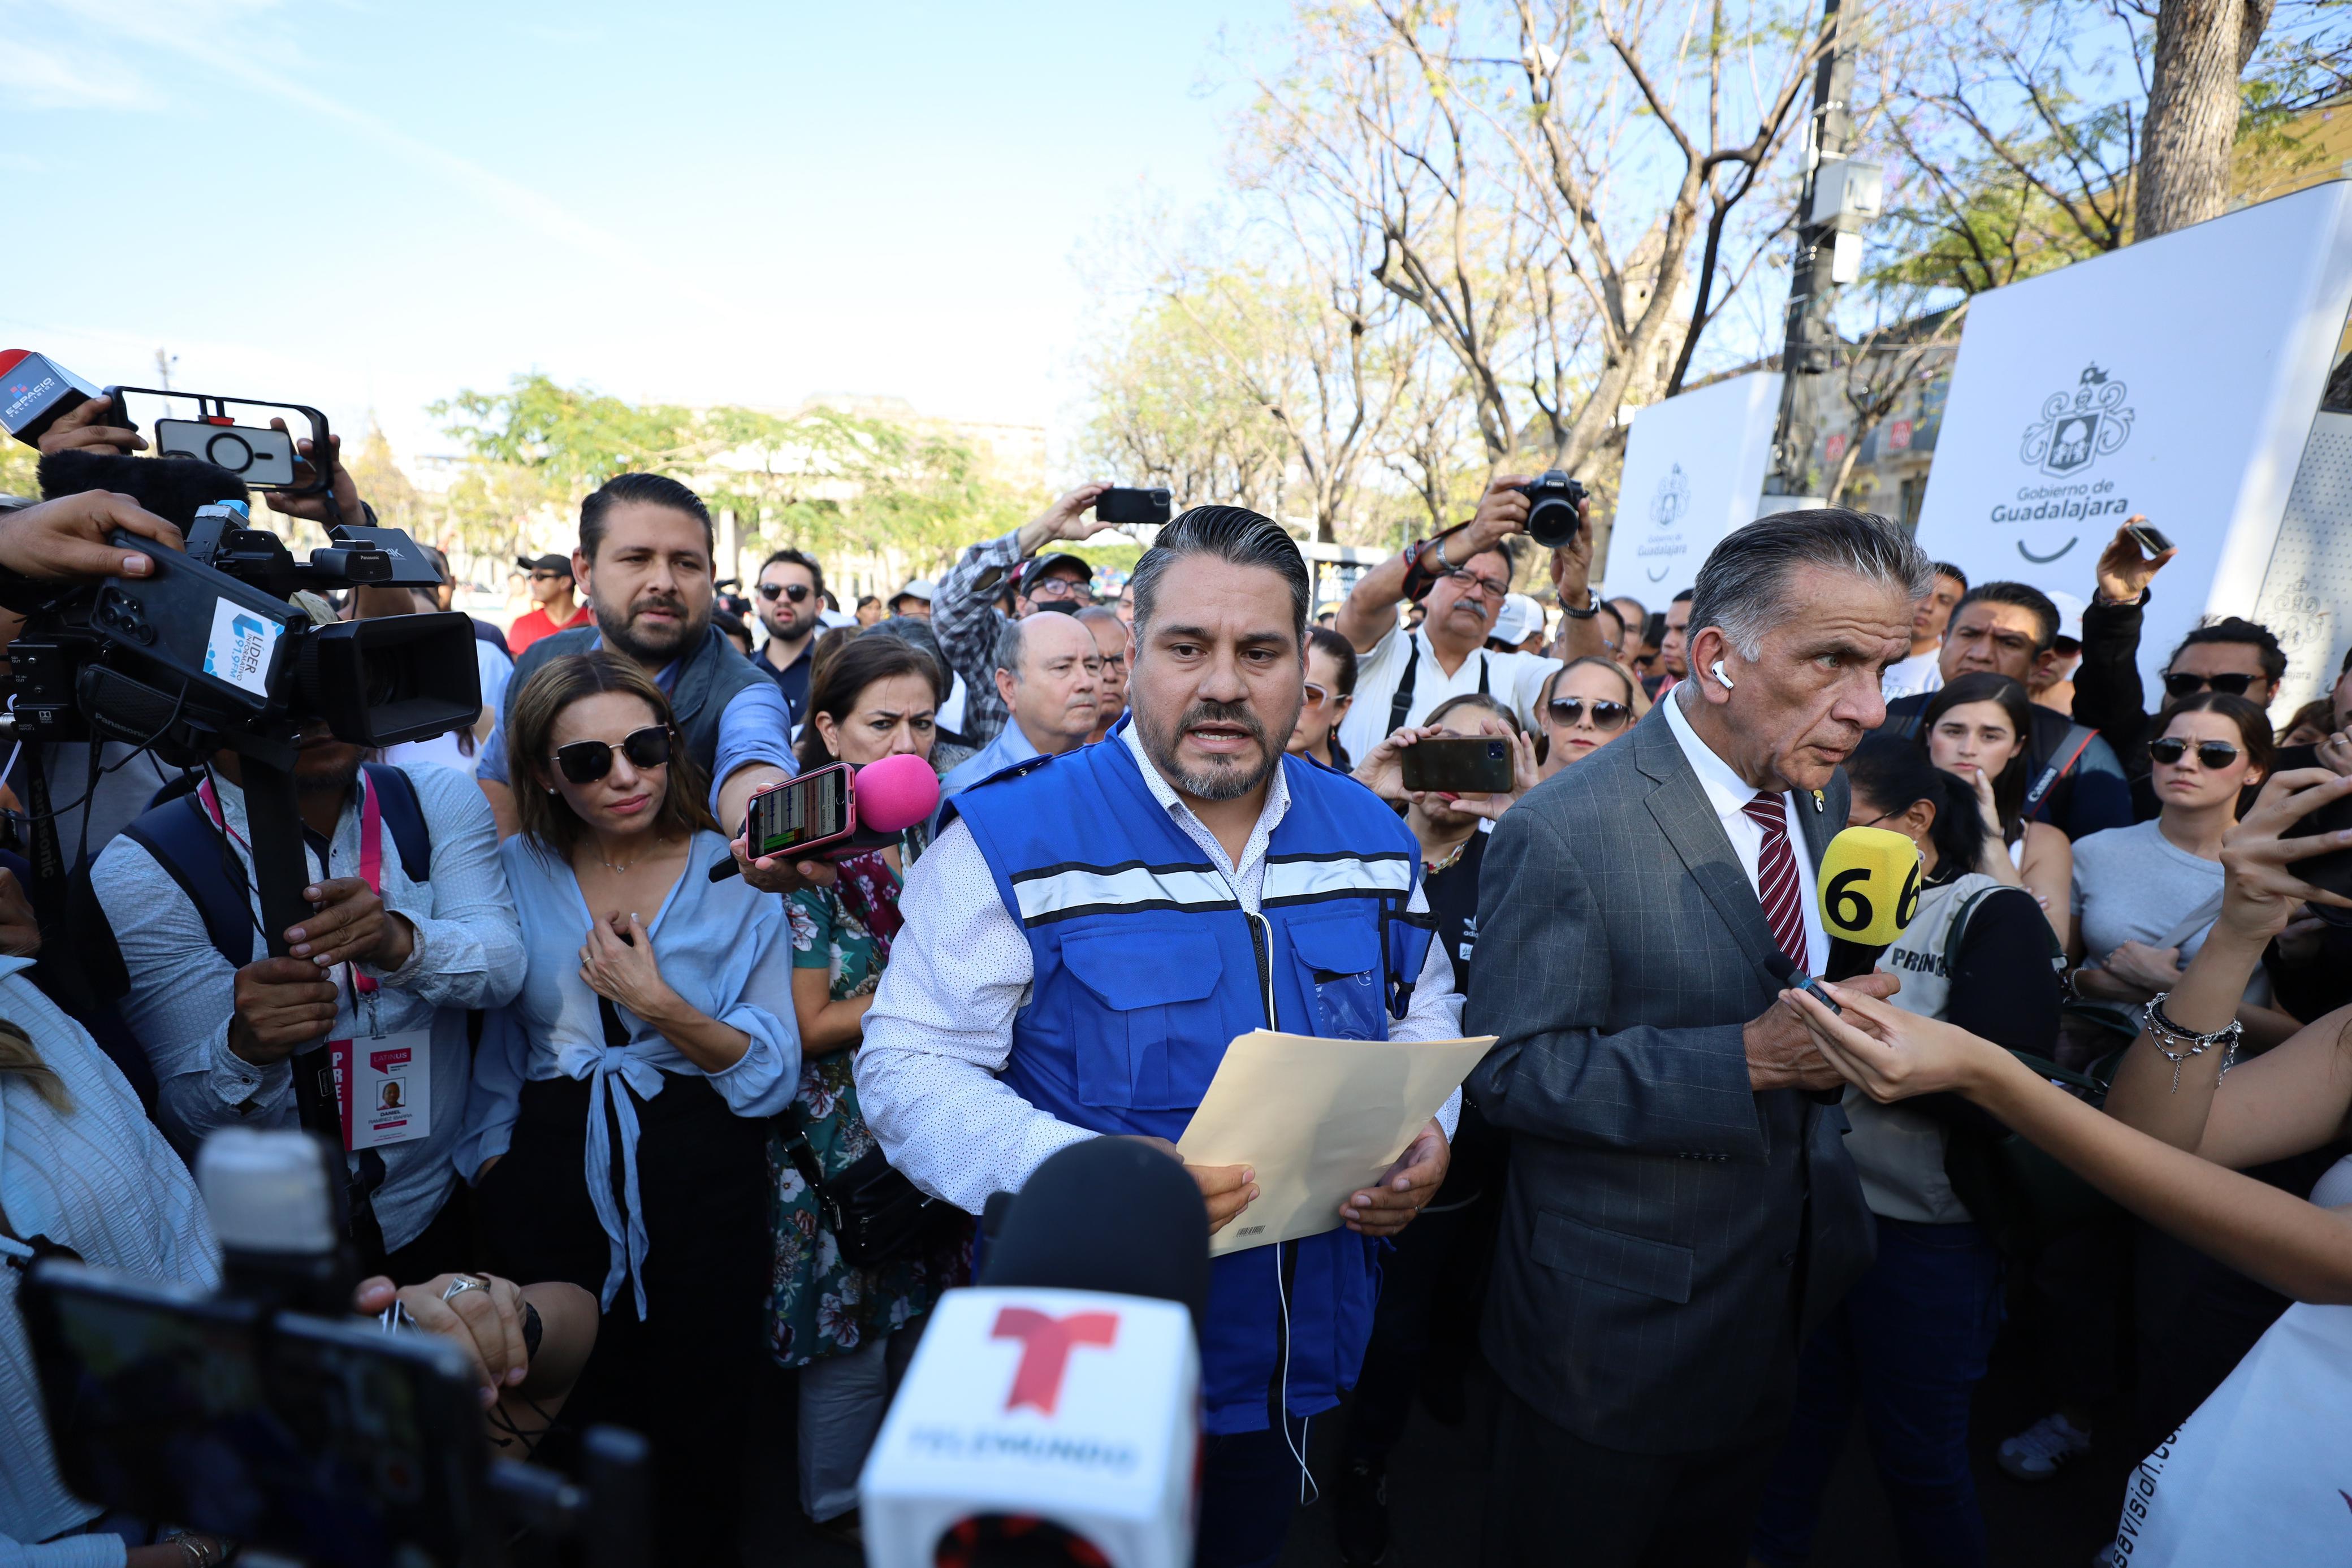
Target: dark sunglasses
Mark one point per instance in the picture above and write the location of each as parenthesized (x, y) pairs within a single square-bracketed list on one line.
[(2181, 684), (796, 591), (551, 577), (586, 761), (2212, 755), (1606, 716)]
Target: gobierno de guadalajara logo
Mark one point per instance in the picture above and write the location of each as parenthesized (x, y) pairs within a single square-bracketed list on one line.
[(2075, 430)]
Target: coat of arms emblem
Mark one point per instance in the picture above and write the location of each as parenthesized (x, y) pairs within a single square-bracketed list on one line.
[(2078, 427)]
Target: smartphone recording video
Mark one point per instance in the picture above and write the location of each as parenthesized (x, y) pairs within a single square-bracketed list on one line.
[(802, 813)]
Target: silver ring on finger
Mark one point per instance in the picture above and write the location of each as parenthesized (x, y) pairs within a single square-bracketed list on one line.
[(460, 1285)]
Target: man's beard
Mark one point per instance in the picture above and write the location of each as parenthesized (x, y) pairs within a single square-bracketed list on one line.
[(1226, 780), (335, 783), (621, 632)]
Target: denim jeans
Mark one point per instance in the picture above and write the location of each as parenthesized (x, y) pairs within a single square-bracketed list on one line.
[(1909, 1341)]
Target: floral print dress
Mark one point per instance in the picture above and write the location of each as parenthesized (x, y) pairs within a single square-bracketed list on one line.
[(818, 1304)]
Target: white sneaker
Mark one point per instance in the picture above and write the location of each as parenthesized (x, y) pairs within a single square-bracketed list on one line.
[(2036, 1453)]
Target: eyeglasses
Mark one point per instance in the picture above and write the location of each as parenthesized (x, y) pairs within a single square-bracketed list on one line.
[(586, 761), (1607, 716), (1317, 695), (1872, 823), (796, 591), (2181, 684), (549, 576), (1470, 579), (2212, 755), (1061, 588)]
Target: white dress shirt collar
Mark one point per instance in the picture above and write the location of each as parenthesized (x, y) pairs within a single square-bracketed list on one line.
[(1270, 815), (1726, 791)]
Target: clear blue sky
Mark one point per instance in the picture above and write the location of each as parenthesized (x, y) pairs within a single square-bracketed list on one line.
[(370, 204)]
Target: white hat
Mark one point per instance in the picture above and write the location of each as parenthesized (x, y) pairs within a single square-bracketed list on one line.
[(921, 588), (1519, 619), (2070, 614)]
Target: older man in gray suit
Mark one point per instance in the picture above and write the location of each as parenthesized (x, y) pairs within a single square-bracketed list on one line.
[(1680, 1204)]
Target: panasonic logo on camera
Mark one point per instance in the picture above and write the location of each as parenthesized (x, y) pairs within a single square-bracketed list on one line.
[(44, 384)]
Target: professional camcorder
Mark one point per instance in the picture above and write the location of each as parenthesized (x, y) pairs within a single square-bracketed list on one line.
[(1553, 499), (268, 1415)]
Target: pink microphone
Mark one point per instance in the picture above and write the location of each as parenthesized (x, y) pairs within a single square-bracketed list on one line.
[(886, 798)]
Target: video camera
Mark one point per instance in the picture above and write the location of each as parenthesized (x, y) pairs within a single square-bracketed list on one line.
[(270, 1416)]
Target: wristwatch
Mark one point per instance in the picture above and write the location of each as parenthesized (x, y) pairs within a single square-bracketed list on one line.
[(1591, 606)]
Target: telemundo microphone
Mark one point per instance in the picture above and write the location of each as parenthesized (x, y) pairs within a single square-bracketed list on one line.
[(1052, 1412)]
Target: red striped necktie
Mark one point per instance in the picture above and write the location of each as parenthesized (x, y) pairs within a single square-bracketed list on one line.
[(1776, 877)]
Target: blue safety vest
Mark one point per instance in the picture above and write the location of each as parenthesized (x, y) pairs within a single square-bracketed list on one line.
[(1147, 967)]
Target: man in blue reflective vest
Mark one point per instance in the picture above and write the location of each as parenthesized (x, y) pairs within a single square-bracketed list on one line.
[(1090, 931)]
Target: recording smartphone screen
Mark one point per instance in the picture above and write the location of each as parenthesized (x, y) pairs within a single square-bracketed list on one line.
[(336, 1442), (255, 453), (1129, 506), (801, 812), (2150, 540), (1463, 765)]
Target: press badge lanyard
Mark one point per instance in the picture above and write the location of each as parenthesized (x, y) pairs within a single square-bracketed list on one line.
[(385, 1092)]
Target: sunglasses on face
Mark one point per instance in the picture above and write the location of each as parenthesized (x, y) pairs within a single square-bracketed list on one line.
[(550, 576), (1317, 695), (1607, 716), (2181, 684), (586, 761), (2212, 755), (796, 591)]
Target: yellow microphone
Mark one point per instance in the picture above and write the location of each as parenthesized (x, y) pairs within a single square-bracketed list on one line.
[(1869, 884)]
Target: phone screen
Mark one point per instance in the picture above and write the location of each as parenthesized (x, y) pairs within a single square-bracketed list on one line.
[(803, 811), (326, 1438)]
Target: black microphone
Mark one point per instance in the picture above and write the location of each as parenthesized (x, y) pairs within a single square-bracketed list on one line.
[(1109, 1214)]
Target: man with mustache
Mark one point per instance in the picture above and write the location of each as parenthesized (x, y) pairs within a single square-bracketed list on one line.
[(1679, 1205), (1087, 933), (644, 562)]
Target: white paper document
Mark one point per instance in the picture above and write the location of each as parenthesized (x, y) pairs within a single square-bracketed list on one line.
[(1319, 1119)]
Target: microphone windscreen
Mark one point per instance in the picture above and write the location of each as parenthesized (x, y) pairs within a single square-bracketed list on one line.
[(1869, 886), (174, 488), (1109, 1214), (896, 792)]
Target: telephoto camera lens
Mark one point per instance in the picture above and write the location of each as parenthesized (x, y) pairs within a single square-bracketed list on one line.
[(1552, 503)]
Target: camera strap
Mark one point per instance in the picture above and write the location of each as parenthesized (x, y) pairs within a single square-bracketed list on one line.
[(1402, 700)]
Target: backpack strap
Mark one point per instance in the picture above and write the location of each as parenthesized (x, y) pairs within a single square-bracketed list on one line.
[(184, 842), (404, 817), (2071, 747)]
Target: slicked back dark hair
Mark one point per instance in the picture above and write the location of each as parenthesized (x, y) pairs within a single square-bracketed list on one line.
[(1233, 534), (2237, 629), (1741, 586), (2024, 596), (651, 489), (174, 488)]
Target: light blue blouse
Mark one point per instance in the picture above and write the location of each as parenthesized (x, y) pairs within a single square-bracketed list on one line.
[(725, 947)]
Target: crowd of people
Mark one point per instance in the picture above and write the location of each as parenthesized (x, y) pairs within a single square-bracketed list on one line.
[(1692, 1220)]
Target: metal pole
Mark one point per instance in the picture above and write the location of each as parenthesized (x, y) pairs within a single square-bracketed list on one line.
[(1808, 334)]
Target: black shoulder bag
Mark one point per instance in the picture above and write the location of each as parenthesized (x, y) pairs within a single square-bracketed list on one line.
[(875, 1213)]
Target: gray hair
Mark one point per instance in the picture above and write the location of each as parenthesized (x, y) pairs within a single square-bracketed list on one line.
[(1013, 644), (1233, 534), (1741, 588)]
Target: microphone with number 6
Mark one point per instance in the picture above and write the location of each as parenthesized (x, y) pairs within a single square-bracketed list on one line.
[(834, 812), (1869, 890), (1052, 1412)]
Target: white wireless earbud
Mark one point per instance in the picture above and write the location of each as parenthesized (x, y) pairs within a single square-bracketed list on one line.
[(1718, 668)]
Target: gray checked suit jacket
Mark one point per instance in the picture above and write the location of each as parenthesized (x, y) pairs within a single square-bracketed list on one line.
[(1660, 1214)]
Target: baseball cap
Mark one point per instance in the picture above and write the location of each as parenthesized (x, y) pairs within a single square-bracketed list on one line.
[(921, 588), (1519, 617), (1037, 568), (561, 563)]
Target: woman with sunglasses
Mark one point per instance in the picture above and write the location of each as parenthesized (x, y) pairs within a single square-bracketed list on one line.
[(1331, 687), (616, 1128), (1586, 705), (2146, 895), (1980, 728), (1910, 1342), (836, 1323)]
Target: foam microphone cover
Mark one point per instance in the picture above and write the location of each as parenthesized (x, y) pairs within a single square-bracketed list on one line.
[(896, 793), (1869, 885), (174, 488), (1109, 1214)]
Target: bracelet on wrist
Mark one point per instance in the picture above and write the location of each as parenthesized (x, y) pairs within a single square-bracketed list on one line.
[(1591, 606), (2178, 1045)]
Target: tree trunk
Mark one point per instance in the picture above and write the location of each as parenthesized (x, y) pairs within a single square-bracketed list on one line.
[(2202, 46)]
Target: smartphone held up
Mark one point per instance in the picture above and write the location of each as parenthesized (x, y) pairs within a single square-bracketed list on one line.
[(834, 812)]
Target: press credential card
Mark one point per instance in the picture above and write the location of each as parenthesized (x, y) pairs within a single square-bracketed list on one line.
[(385, 1086), (1319, 1119)]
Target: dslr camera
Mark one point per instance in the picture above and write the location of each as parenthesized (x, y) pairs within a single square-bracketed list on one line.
[(1554, 497)]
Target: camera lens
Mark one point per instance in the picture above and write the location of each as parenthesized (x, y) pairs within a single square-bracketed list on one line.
[(1552, 521), (228, 450), (1494, 749)]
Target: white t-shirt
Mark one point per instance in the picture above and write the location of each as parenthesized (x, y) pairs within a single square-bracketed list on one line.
[(1514, 678), (1910, 677)]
